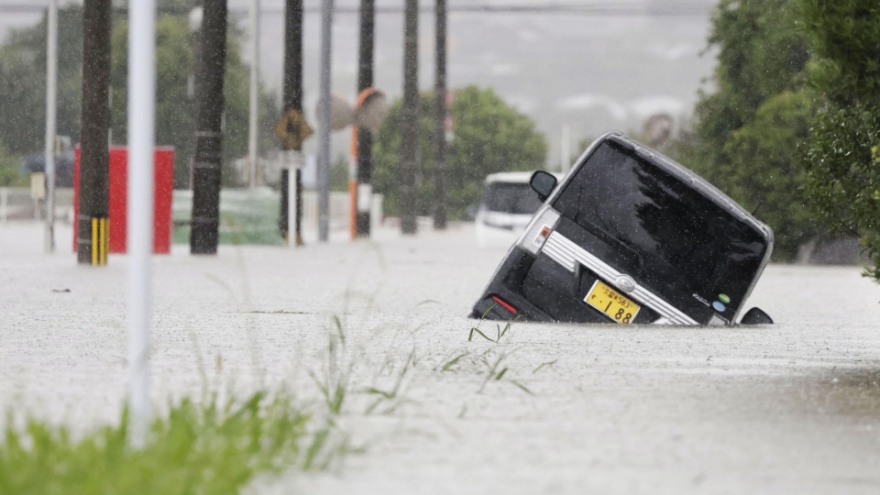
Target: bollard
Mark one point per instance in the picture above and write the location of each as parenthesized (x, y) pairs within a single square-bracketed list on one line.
[(100, 239)]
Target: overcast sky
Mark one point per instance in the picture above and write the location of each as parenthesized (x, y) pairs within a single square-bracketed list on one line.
[(605, 69)]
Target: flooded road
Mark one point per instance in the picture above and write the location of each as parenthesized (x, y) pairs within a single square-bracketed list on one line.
[(788, 408)]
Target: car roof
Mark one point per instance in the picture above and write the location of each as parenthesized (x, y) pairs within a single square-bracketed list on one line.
[(515, 177)]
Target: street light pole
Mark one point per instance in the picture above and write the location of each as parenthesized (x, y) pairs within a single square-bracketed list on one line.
[(364, 191), (51, 112), (253, 134), (324, 123), (440, 112), (291, 187)]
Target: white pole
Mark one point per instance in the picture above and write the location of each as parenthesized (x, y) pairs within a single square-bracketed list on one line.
[(141, 138), (51, 106), (324, 123), (255, 80), (4, 204), (565, 151)]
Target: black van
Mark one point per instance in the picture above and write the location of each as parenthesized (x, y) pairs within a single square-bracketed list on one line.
[(630, 236)]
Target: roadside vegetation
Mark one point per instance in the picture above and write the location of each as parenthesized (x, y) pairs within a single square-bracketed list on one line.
[(791, 128), (212, 448), (9, 175), (746, 132), (23, 68), (490, 136), (843, 149)]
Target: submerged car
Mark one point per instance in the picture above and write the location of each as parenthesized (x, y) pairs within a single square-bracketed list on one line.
[(630, 236), (506, 208)]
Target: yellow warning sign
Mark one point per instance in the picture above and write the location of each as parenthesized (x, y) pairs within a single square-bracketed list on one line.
[(292, 130)]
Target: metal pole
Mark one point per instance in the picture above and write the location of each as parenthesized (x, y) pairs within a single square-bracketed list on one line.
[(253, 135), (205, 233), (93, 173), (364, 137), (291, 211), (410, 118), (440, 110), (51, 111), (141, 139), (324, 123)]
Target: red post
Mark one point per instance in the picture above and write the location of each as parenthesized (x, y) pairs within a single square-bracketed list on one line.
[(118, 198)]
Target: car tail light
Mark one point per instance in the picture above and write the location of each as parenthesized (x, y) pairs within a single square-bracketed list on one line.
[(504, 304)]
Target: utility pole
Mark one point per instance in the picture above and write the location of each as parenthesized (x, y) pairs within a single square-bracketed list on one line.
[(293, 96), (364, 136), (324, 123), (208, 161), (253, 134), (51, 120), (91, 222), (410, 117), (440, 110), (141, 139)]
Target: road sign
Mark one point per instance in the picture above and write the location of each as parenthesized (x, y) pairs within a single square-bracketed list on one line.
[(292, 130)]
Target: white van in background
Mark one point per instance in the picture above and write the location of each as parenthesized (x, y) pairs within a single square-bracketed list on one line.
[(507, 206)]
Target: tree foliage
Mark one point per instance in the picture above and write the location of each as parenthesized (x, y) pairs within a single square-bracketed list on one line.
[(747, 130), (489, 136), (843, 150), (23, 79), (845, 38), (175, 103), (9, 175)]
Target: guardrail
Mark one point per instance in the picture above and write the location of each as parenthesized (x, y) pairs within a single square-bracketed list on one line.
[(253, 210), (16, 204)]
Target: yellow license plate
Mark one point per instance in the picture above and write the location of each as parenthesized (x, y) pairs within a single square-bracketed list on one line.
[(612, 303)]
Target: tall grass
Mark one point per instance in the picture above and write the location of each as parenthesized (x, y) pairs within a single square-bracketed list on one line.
[(196, 449)]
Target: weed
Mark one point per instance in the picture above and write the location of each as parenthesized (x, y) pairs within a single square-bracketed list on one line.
[(499, 332), (495, 372), (207, 449), (335, 376), (452, 362), (543, 365), (491, 361), (394, 394)]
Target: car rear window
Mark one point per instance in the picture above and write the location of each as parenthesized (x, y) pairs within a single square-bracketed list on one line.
[(682, 242), (507, 197)]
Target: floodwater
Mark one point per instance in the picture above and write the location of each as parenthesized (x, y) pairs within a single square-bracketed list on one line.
[(788, 408)]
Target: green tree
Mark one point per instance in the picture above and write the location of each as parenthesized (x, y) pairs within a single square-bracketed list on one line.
[(9, 175), (23, 77), (175, 104), (843, 150), (339, 174), (489, 136), (769, 175), (746, 131)]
